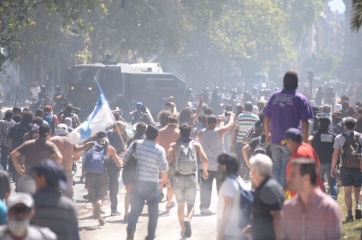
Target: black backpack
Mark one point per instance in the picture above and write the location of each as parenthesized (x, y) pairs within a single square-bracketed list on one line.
[(351, 151), (130, 172), (323, 141)]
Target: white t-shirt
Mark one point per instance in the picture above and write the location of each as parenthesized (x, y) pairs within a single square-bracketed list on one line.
[(230, 188)]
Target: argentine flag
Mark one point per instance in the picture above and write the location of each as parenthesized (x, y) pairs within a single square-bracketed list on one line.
[(99, 120)]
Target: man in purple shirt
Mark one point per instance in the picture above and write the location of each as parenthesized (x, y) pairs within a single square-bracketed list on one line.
[(285, 109)]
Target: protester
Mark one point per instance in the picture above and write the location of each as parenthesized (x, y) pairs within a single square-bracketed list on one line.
[(268, 200), (243, 122), (53, 210), (68, 112), (166, 136), (211, 140), (228, 214), (151, 161), (163, 118), (311, 214), (50, 118), (5, 126), (96, 177), (350, 171), (141, 114), (69, 153), (20, 212), (322, 142), (117, 138), (285, 109), (183, 156)]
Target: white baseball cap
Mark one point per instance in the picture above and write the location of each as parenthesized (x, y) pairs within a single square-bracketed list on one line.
[(18, 198)]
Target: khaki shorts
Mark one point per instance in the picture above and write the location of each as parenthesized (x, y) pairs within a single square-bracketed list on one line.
[(185, 188), (97, 185)]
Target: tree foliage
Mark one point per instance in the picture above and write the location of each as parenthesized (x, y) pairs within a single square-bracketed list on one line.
[(356, 20)]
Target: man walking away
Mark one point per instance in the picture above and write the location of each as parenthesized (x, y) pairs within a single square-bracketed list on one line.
[(311, 214), (183, 153), (212, 141), (285, 109), (348, 145), (322, 142), (151, 160), (5, 126)]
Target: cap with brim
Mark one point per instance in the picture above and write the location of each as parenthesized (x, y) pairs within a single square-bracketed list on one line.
[(48, 108), (293, 134), (212, 119), (19, 198)]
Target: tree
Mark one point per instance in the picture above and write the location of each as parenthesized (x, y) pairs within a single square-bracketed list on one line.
[(356, 20)]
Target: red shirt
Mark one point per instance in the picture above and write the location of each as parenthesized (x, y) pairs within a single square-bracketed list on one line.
[(305, 151)]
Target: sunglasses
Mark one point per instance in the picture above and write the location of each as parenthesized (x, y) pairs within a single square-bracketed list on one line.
[(18, 210)]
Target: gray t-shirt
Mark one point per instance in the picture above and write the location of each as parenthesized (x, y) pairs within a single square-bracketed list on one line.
[(340, 139)]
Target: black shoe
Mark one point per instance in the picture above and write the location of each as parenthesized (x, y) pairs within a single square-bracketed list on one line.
[(101, 222), (358, 214), (349, 218), (187, 229), (130, 233)]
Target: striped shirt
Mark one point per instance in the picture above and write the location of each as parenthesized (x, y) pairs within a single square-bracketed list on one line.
[(320, 219), (151, 160), (245, 120)]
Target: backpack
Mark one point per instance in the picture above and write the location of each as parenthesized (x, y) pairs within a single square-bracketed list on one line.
[(129, 175), (245, 204), (49, 118), (95, 159), (351, 154), (323, 141), (185, 158)]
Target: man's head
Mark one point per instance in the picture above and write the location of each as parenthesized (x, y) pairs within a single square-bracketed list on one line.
[(68, 108), (49, 174), (101, 137), (303, 174), (151, 132), (20, 211), (116, 116), (324, 122), (48, 109), (248, 106), (228, 163), (39, 113), (351, 112), (327, 108), (61, 129), (139, 106), (211, 121), (27, 118), (349, 123), (208, 111), (172, 120), (261, 168), (290, 81), (17, 110), (292, 139), (141, 128), (185, 130), (186, 115), (44, 131), (163, 117), (8, 115)]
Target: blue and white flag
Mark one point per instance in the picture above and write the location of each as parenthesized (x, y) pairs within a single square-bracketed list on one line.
[(99, 120)]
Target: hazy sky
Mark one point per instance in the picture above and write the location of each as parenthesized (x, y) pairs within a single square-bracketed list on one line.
[(337, 5)]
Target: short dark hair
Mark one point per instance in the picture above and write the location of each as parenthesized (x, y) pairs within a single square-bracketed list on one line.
[(17, 118), (202, 118), (307, 167), (8, 115), (186, 115), (116, 116), (324, 122), (151, 132), (38, 120), (44, 130), (16, 109), (232, 165), (172, 118), (27, 118), (141, 128), (290, 81), (185, 130), (163, 117), (208, 111), (39, 113), (350, 125)]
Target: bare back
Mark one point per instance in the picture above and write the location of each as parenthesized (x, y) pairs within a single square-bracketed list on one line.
[(66, 149), (168, 135)]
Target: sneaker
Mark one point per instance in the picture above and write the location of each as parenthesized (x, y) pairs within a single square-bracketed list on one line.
[(349, 218), (205, 211), (130, 233), (187, 229), (358, 214), (115, 213)]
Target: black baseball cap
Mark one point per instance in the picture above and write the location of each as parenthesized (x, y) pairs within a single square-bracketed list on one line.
[(293, 134)]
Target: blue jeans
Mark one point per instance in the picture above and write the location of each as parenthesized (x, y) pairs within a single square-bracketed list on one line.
[(333, 188), (280, 157), (141, 192)]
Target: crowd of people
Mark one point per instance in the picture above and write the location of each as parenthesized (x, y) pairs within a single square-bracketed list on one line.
[(284, 148)]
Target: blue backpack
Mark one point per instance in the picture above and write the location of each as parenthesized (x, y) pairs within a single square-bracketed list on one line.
[(246, 203), (95, 159), (49, 118)]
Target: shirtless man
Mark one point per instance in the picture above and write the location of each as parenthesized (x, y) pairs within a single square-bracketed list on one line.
[(70, 153), (166, 136)]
